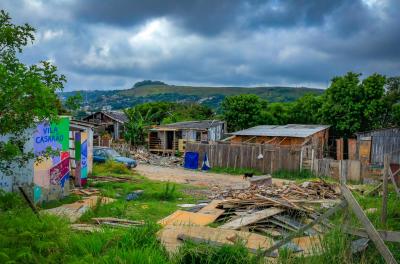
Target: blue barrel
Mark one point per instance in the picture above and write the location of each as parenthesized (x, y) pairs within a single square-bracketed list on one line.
[(191, 160)]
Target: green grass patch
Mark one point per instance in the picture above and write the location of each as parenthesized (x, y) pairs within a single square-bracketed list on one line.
[(110, 168), (233, 171), (159, 199), (55, 203), (293, 175)]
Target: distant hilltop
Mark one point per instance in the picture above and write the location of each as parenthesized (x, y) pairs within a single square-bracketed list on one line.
[(154, 91)]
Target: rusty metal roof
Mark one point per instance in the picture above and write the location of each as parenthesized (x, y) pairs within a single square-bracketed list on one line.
[(291, 130)]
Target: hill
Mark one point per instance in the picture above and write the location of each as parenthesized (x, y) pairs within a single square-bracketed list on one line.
[(211, 96)]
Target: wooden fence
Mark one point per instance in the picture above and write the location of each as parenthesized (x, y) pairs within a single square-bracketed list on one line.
[(339, 169), (265, 158)]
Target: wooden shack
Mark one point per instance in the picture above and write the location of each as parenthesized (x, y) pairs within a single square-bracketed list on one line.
[(373, 145), (286, 135), (173, 137), (111, 122)]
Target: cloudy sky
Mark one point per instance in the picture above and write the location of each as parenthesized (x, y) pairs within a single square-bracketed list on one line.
[(111, 44)]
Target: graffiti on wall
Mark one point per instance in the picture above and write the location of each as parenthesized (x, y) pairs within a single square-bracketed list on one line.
[(54, 170), (81, 157)]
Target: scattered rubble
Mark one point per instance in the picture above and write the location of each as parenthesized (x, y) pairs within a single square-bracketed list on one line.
[(312, 190), (143, 156), (265, 211)]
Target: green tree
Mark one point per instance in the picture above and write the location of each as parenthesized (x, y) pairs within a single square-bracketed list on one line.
[(74, 102), (305, 110), (275, 114), (350, 105), (27, 93), (391, 114), (136, 127), (242, 111), (169, 112)]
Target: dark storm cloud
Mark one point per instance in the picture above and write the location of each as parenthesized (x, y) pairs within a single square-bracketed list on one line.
[(112, 44), (206, 16), (210, 16)]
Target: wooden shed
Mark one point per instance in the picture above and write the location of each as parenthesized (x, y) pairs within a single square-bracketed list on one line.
[(172, 137), (285, 135), (372, 145), (111, 122)]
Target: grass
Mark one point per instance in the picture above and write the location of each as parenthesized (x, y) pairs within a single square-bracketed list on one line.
[(26, 239), (293, 175), (233, 171), (111, 168), (158, 200)]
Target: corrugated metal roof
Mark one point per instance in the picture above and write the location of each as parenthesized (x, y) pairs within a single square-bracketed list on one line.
[(204, 124), (291, 130)]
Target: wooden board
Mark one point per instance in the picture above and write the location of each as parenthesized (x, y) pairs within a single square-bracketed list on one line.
[(311, 245), (212, 209), (369, 228), (169, 236), (180, 217), (392, 236), (75, 210), (251, 218)]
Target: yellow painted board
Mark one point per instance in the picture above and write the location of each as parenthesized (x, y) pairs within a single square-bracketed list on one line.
[(180, 217), (169, 236)]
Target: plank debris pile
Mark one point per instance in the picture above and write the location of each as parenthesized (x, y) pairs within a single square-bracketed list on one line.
[(106, 221), (309, 190), (269, 213)]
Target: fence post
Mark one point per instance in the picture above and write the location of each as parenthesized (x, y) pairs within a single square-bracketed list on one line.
[(301, 159), (312, 159), (342, 171), (386, 167)]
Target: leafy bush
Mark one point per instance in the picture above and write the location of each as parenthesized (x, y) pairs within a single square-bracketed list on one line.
[(169, 192), (110, 167)]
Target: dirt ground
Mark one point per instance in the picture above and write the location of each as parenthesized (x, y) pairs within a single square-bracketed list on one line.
[(197, 178)]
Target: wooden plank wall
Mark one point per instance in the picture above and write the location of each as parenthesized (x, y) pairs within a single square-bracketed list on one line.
[(349, 169), (384, 141), (246, 155)]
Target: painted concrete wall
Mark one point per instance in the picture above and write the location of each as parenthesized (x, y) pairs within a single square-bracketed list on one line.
[(44, 178), (21, 176), (51, 175)]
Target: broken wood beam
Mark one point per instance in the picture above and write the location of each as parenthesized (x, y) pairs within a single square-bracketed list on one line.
[(394, 183), (386, 168), (372, 233), (251, 218), (390, 236), (30, 203), (374, 190), (301, 230)]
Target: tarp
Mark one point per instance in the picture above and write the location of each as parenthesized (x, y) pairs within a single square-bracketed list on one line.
[(191, 160), (206, 164)]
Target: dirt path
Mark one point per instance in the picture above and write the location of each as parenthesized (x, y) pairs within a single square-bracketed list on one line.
[(197, 178)]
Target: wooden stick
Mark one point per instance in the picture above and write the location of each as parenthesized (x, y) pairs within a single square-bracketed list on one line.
[(31, 205), (374, 190), (391, 236), (386, 167), (394, 183), (301, 230), (372, 233)]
